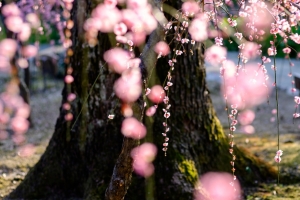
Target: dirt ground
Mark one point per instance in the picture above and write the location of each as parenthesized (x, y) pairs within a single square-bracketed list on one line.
[(44, 112), (263, 143)]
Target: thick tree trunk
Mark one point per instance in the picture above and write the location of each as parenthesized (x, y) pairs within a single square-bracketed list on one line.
[(80, 158), (197, 141)]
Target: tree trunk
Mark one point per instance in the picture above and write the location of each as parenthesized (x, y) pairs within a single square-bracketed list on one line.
[(80, 158)]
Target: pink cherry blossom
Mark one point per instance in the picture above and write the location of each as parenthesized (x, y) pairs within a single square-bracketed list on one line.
[(8, 47), (250, 50), (71, 97), (157, 94), (111, 3), (217, 186), (92, 25), (246, 117), (238, 35), (126, 110), (136, 4), (132, 128), (29, 51), (69, 79), (14, 23), (142, 157), (190, 8), (151, 111), (26, 150), (68, 1), (23, 111), (117, 59), (277, 159), (10, 10), (198, 29), (295, 38), (232, 22), (248, 129), (108, 16), (143, 168), (162, 48), (279, 153), (272, 51), (69, 117), (228, 69), (137, 38), (261, 18), (120, 29), (25, 32), (19, 125), (286, 50), (129, 86), (149, 22), (215, 54), (66, 106), (243, 14), (219, 41), (121, 39), (247, 89), (68, 6), (130, 18), (33, 20)]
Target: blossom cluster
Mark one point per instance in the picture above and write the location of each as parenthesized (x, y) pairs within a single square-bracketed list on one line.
[(14, 111), (15, 23), (277, 157), (130, 26)]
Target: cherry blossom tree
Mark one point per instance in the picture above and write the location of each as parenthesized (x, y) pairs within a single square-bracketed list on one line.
[(136, 120)]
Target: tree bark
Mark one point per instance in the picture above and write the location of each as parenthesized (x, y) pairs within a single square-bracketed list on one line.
[(81, 158)]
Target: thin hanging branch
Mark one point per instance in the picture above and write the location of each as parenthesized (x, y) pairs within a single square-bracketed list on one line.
[(122, 173)]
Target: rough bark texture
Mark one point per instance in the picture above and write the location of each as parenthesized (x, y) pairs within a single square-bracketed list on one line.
[(79, 163)]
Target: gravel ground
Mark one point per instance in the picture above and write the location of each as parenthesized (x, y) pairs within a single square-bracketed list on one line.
[(44, 112)]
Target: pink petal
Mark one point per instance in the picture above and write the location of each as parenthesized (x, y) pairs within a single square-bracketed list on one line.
[(142, 157), (25, 32), (27, 150), (8, 47), (132, 128), (157, 94), (10, 10), (218, 186), (151, 111), (14, 23), (190, 7), (19, 125), (162, 48), (29, 51), (117, 59)]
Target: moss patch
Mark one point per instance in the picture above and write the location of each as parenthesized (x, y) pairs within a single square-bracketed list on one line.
[(187, 167)]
